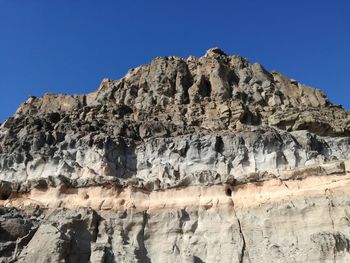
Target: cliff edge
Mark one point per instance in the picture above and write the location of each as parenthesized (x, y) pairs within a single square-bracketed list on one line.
[(210, 159)]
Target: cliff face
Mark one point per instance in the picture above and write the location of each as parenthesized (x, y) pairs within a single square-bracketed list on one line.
[(209, 159)]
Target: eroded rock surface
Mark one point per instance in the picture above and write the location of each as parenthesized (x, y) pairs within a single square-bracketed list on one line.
[(209, 159)]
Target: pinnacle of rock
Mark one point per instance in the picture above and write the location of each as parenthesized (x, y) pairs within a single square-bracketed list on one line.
[(215, 51)]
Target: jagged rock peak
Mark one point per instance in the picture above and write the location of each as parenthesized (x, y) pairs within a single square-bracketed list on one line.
[(214, 51), (214, 92)]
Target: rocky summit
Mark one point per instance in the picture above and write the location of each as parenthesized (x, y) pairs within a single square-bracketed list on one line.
[(210, 159)]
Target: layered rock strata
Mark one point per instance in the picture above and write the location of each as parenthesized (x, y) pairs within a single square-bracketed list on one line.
[(209, 159)]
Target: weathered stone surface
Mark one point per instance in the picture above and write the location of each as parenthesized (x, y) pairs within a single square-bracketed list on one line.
[(64, 236), (210, 159)]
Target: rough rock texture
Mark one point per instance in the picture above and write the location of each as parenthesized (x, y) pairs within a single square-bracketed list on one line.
[(209, 159)]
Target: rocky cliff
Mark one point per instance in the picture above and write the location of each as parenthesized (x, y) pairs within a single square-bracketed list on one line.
[(209, 159)]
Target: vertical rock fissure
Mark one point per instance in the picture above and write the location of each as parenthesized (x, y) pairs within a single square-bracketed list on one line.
[(96, 230), (244, 245), (328, 194), (141, 252), (243, 239)]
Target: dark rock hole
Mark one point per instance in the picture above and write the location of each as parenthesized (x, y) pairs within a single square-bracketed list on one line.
[(4, 195), (228, 192)]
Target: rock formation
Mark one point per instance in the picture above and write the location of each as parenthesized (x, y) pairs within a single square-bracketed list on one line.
[(209, 159)]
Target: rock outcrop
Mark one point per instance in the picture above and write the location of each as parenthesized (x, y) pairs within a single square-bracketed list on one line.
[(209, 159)]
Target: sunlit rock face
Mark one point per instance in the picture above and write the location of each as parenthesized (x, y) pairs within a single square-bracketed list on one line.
[(209, 159)]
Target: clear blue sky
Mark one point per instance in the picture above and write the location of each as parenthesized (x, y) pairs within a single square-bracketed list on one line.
[(69, 46)]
